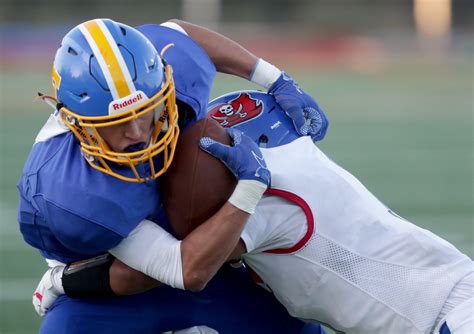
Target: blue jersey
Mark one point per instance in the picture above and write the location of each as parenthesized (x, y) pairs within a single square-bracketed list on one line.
[(70, 211), (193, 70)]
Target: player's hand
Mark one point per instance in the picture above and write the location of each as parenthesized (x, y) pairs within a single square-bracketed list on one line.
[(48, 290), (245, 160), (307, 117)]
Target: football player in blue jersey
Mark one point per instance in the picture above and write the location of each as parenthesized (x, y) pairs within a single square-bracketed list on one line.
[(92, 181)]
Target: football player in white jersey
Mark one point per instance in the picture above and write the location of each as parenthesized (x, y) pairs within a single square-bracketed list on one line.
[(331, 252)]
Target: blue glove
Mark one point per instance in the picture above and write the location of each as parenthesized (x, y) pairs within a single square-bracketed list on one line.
[(307, 117), (244, 159)]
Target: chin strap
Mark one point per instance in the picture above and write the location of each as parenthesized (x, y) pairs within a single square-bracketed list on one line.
[(49, 100), (165, 48)]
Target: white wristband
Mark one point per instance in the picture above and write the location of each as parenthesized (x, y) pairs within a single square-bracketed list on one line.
[(264, 73), (247, 194)]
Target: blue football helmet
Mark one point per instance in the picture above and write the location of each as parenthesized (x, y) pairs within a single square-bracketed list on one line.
[(106, 73)]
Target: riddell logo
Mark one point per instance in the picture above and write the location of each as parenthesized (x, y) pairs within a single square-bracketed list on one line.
[(127, 102), (130, 101)]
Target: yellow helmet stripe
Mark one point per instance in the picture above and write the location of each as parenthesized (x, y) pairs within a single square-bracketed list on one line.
[(121, 61), (110, 59), (56, 80)]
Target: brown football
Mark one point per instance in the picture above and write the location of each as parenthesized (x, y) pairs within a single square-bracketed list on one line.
[(196, 185)]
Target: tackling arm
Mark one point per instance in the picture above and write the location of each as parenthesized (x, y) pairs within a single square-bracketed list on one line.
[(200, 258), (190, 265), (187, 264), (125, 280), (228, 56)]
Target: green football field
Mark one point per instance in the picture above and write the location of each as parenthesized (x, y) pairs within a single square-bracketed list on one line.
[(406, 131)]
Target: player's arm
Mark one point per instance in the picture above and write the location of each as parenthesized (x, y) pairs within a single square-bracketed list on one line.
[(228, 56), (192, 262), (202, 254), (232, 58), (125, 280), (188, 264), (153, 256)]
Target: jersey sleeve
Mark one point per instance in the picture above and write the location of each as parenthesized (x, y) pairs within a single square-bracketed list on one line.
[(174, 26), (276, 223), (193, 70), (257, 234), (251, 239)]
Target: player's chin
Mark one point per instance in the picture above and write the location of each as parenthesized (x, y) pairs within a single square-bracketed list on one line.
[(134, 147)]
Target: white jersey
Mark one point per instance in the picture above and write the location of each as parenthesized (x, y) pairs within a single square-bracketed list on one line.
[(340, 256)]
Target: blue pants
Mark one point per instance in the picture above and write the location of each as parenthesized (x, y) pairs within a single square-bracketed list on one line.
[(231, 303), (444, 329)]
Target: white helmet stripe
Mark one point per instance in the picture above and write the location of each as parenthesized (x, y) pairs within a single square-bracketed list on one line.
[(100, 59), (109, 58)]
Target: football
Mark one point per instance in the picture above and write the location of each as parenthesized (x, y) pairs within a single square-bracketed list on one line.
[(196, 185)]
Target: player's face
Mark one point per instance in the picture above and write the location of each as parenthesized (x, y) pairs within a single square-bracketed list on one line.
[(130, 136)]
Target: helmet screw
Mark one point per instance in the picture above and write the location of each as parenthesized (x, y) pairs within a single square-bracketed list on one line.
[(87, 156), (71, 120)]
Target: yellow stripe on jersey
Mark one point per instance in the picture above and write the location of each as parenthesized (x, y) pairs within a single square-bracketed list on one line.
[(110, 59)]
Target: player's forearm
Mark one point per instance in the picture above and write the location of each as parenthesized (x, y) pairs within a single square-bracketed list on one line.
[(203, 252), (154, 252), (205, 249), (228, 56), (126, 281)]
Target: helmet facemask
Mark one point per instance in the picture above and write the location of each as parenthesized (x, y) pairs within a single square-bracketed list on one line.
[(163, 137)]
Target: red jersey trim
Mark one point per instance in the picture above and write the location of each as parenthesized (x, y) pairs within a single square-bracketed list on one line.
[(255, 277), (309, 220), (40, 296)]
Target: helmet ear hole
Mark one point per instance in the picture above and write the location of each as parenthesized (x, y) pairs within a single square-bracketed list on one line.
[(153, 65), (72, 51)]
